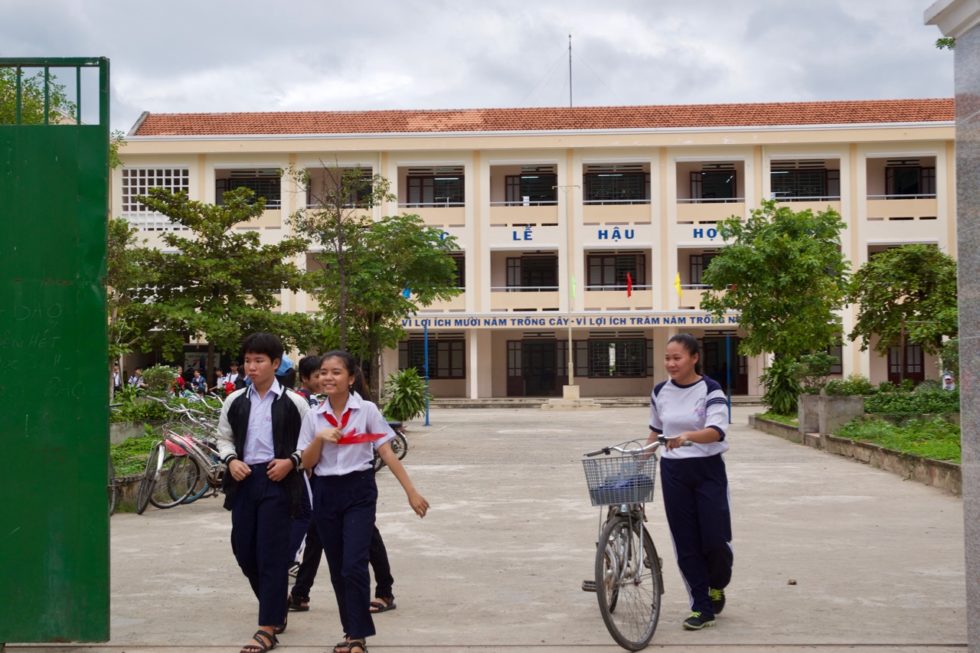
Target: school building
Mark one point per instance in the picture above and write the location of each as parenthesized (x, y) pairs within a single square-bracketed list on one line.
[(581, 231)]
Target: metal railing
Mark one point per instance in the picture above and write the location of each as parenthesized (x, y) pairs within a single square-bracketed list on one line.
[(904, 196), (645, 200), (523, 203), (709, 200), (620, 287), (523, 288)]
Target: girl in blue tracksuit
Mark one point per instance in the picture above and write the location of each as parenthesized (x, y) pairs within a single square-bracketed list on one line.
[(690, 407)]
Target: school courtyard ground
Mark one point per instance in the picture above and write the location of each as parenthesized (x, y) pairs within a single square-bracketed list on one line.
[(830, 555)]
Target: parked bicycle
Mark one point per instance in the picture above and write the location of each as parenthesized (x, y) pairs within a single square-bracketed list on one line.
[(399, 445), (628, 580), (184, 465)]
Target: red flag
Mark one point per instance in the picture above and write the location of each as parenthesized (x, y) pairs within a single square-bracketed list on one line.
[(629, 285)]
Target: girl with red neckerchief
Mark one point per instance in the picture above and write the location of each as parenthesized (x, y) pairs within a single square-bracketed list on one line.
[(338, 440)]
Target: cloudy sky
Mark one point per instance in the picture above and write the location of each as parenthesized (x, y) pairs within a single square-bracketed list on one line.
[(245, 55)]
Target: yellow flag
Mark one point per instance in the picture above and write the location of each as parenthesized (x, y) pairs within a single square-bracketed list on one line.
[(677, 284)]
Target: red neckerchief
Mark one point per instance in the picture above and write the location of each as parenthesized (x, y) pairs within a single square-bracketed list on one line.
[(352, 437)]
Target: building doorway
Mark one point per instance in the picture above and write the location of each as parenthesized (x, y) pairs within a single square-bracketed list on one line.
[(532, 368), (714, 364)]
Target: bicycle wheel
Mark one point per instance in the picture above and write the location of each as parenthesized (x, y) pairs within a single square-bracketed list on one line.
[(399, 445), (149, 479), (160, 493), (183, 479), (628, 582)]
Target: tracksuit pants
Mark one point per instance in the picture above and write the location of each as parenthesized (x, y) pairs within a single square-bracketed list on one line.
[(344, 509), (260, 527), (699, 515)]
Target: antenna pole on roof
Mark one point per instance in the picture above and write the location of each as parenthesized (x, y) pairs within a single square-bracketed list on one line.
[(569, 71)]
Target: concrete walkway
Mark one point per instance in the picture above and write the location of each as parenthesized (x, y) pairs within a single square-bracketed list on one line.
[(830, 555)]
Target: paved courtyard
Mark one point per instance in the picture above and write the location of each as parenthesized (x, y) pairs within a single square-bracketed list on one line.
[(829, 554)]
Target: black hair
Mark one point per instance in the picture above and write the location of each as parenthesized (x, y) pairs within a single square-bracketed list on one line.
[(288, 379), (308, 365), (691, 345), (360, 385), (263, 343)]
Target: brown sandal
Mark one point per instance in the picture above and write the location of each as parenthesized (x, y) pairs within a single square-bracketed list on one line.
[(357, 646), (263, 642)]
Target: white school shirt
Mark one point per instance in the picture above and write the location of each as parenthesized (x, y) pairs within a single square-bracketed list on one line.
[(259, 446), (675, 409), (340, 459)]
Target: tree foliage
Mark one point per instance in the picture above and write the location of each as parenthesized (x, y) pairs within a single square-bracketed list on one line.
[(127, 272), (218, 283), (366, 266), (60, 107), (337, 219), (905, 292), (784, 273)]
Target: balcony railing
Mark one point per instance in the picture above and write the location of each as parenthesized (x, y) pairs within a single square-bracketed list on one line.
[(709, 200), (807, 198), (645, 200), (528, 203), (904, 196), (621, 288), (429, 205), (523, 288)]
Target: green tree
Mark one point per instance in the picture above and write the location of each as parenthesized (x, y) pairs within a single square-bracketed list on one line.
[(366, 266), (396, 256), (218, 283), (126, 274), (341, 199), (905, 295), (784, 273), (32, 99)]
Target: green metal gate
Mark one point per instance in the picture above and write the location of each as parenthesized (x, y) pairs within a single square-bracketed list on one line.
[(54, 528)]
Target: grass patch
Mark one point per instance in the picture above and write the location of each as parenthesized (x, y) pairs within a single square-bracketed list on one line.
[(929, 438), (129, 456), (789, 420)]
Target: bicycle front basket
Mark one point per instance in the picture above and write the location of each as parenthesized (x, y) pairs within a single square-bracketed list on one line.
[(618, 479)]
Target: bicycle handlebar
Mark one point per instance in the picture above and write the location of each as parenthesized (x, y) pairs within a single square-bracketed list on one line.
[(622, 448)]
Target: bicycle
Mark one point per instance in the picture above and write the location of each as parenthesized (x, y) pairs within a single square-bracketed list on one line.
[(201, 471), (628, 577), (172, 473), (167, 455), (399, 445)]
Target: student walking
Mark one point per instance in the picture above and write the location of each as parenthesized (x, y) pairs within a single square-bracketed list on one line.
[(691, 408), (338, 440), (257, 439)]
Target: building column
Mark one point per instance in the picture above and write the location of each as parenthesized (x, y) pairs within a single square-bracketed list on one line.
[(479, 369), (961, 20)]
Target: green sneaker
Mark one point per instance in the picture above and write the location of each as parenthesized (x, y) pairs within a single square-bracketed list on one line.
[(717, 600), (697, 621)]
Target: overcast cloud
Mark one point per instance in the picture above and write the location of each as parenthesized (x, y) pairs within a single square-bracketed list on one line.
[(244, 55)]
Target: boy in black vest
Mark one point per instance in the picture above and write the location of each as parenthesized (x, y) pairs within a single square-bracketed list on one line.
[(257, 435)]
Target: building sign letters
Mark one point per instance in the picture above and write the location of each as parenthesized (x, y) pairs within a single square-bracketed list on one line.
[(561, 321)]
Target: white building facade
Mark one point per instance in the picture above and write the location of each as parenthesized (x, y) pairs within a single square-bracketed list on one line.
[(583, 233)]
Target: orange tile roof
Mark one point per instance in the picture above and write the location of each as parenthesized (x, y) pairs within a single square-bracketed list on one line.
[(695, 116)]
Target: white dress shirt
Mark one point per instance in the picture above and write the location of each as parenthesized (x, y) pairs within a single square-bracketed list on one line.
[(340, 459)]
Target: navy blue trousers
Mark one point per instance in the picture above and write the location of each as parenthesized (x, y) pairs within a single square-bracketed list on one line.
[(383, 580), (698, 512), (260, 527), (344, 509)]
